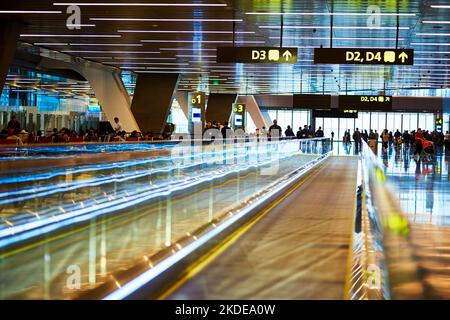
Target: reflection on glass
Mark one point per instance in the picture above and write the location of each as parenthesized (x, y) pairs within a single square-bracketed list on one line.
[(124, 212)]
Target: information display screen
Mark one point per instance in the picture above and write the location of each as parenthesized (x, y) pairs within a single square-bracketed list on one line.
[(196, 115), (238, 120)]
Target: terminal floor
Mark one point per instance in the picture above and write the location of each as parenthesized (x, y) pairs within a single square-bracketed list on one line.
[(298, 250)]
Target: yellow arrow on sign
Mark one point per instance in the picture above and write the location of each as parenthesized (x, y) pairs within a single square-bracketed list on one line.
[(287, 55), (403, 56)]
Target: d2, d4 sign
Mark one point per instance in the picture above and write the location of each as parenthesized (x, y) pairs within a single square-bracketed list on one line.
[(256, 55), (363, 56)]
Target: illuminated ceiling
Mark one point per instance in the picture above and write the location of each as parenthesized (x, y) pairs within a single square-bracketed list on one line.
[(181, 36)]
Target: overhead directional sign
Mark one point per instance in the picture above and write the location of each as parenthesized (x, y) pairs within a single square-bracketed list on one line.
[(363, 56), (382, 103), (311, 101), (256, 55)]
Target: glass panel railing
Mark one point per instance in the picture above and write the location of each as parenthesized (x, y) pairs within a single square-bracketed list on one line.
[(65, 231), (382, 254)]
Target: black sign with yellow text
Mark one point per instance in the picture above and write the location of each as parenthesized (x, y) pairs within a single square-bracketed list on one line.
[(256, 55), (380, 103), (363, 56)]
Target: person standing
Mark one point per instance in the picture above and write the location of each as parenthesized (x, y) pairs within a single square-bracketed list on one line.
[(14, 125), (226, 131), (319, 133), (275, 130), (289, 132), (385, 140), (357, 138)]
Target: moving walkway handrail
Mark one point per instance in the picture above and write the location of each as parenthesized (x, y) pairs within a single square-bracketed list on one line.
[(382, 258), (146, 279)]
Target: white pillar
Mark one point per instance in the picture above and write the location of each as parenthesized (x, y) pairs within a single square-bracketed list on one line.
[(107, 86)]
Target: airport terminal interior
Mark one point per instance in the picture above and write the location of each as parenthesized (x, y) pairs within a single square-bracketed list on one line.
[(225, 149)]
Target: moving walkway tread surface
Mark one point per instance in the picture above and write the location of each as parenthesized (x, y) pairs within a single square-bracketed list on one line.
[(298, 250)]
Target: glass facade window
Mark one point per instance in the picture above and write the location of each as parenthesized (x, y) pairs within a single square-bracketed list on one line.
[(178, 118), (250, 125), (376, 121)]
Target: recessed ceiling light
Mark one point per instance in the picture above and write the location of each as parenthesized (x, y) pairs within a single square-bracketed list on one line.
[(71, 35), (188, 49), (436, 22), (112, 52), (334, 27), (433, 34), (108, 44), (200, 41), (144, 58), (29, 12), (329, 14), (338, 38), (429, 44), (50, 44), (166, 19), (186, 31), (127, 4), (440, 6)]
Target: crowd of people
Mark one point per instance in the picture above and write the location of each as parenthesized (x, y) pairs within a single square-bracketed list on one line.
[(13, 133), (422, 141)]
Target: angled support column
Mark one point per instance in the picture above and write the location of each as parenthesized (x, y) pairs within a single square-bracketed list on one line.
[(253, 110), (267, 120), (9, 33), (220, 106), (152, 100), (183, 100), (108, 89)]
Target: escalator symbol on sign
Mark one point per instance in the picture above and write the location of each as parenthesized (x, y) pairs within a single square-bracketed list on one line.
[(274, 55)]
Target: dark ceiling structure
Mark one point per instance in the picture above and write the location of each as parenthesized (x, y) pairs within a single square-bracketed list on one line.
[(181, 37)]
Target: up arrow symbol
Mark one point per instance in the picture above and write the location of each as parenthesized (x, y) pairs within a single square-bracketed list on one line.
[(287, 55), (403, 56)]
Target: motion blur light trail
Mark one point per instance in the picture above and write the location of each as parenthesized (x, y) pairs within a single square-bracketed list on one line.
[(20, 227), (62, 151)]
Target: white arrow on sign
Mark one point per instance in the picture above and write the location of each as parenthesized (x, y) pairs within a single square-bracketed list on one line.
[(403, 56), (287, 55)]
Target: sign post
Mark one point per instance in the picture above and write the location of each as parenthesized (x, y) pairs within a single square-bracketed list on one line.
[(238, 116), (197, 103)]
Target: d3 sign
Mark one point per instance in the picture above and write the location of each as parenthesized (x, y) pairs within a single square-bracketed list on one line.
[(256, 55)]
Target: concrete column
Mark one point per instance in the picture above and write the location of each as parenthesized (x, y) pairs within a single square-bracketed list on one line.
[(267, 120), (253, 110), (152, 100), (9, 33), (183, 100), (107, 86), (220, 106), (111, 94)]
